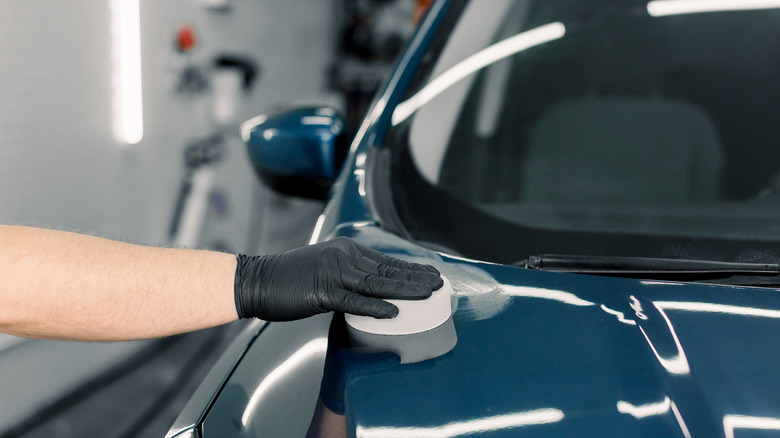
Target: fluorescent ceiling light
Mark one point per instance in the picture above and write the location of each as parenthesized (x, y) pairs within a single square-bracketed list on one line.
[(661, 8), (483, 58), (128, 123)]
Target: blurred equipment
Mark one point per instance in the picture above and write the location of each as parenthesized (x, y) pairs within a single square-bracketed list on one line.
[(186, 38), (200, 157), (230, 79), (372, 35), (217, 5), (191, 80)]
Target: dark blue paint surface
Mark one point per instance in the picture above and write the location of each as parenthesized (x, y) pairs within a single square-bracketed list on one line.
[(556, 359), (299, 142)]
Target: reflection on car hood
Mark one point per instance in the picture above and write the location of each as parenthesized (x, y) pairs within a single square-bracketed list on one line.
[(550, 354)]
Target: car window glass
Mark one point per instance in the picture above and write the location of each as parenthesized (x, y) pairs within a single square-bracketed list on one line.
[(616, 122), (471, 35)]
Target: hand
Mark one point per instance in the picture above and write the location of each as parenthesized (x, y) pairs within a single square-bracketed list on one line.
[(338, 275)]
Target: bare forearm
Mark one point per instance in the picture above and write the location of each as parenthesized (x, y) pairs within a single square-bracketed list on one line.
[(70, 286)]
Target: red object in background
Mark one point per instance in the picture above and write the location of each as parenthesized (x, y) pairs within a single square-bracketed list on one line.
[(186, 38), (420, 9)]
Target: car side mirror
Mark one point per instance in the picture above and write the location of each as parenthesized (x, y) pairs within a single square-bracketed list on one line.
[(298, 152)]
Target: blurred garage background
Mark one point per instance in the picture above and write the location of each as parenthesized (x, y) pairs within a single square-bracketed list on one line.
[(80, 152)]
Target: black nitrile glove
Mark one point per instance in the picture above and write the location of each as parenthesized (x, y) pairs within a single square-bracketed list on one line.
[(336, 275)]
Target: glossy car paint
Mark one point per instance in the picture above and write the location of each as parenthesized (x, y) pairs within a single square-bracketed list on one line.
[(275, 385), (188, 421), (538, 353), (299, 142), (574, 355), (554, 354)]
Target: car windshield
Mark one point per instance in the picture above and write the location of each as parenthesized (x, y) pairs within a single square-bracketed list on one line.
[(612, 127)]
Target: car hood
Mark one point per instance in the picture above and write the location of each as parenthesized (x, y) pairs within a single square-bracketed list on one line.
[(552, 354)]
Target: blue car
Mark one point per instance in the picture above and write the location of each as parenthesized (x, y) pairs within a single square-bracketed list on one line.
[(598, 181)]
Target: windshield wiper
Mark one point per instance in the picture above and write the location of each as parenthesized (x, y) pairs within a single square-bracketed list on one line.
[(649, 267)]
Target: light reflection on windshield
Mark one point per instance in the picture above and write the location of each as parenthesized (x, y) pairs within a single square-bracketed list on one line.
[(576, 127), (662, 8), (476, 62)]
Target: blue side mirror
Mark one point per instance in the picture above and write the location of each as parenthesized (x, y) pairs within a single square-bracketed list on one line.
[(297, 152)]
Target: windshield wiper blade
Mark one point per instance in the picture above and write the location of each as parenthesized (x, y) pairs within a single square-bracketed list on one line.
[(642, 266)]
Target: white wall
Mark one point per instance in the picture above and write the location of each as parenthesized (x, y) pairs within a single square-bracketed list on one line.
[(61, 167), (59, 163)]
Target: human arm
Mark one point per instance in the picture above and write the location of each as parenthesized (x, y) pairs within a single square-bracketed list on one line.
[(61, 285)]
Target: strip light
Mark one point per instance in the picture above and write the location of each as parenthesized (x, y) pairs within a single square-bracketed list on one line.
[(128, 123), (481, 425), (644, 411), (247, 127), (677, 364), (680, 421), (315, 235), (717, 308), (732, 422), (483, 58), (620, 316), (548, 294), (662, 8)]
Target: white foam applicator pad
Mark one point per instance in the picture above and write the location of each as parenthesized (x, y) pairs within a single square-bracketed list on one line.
[(414, 316)]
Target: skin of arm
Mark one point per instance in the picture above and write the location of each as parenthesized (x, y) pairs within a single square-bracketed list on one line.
[(61, 285)]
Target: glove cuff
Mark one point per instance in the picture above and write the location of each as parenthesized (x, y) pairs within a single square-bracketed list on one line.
[(240, 260), (244, 293)]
